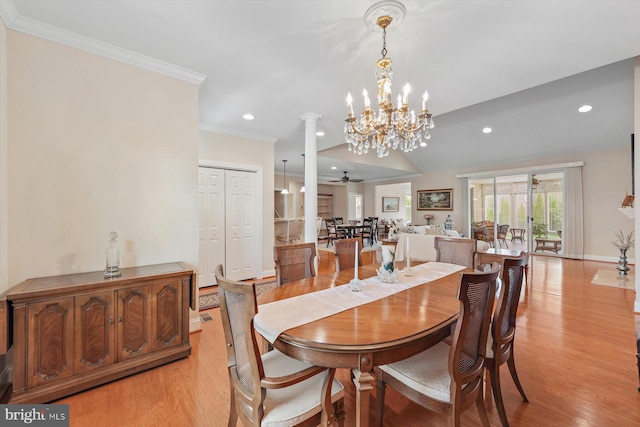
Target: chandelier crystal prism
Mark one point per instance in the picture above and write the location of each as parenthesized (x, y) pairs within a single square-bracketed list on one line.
[(390, 127)]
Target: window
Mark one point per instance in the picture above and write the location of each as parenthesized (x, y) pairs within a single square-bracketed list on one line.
[(554, 201), (504, 209), (521, 210), (407, 206), (488, 203)]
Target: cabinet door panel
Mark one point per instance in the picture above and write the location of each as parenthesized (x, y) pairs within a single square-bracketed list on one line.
[(134, 322), (51, 343), (95, 336), (167, 314)]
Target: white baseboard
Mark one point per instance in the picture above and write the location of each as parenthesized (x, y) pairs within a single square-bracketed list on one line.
[(195, 325), (630, 261), (268, 273)]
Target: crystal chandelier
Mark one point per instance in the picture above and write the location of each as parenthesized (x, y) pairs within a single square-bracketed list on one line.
[(389, 127)]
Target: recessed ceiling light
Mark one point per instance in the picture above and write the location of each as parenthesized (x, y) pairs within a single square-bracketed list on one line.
[(487, 130), (248, 116), (423, 144), (334, 167), (319, 133), (585, 108)]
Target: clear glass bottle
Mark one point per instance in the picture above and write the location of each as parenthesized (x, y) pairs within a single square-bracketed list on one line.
[(112, 254)]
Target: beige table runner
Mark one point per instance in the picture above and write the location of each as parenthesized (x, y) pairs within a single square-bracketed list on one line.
[(276, 317)]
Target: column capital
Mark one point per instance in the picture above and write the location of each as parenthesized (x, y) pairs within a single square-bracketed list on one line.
[(310, 116)]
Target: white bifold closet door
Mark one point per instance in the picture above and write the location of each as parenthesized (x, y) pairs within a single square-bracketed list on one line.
[(227, 224)]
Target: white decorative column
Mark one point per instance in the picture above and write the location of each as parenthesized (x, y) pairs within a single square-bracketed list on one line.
[(636, 131), (310, 176), (636, 178)]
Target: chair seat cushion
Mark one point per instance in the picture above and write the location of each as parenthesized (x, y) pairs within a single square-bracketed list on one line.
[(426, 372), (290, 406), (489, 346)]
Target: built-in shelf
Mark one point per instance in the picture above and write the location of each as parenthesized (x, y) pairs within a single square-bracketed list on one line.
[(629, 212)]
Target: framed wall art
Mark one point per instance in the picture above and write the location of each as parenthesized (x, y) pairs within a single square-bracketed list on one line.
[(390, 204), (435, 200)]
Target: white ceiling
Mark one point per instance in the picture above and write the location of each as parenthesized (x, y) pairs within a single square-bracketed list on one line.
[(521, 67)]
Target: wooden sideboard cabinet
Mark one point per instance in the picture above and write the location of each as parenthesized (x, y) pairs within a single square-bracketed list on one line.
[(77, 331)]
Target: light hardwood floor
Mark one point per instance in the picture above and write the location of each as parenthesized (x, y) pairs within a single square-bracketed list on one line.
[(575, 353)]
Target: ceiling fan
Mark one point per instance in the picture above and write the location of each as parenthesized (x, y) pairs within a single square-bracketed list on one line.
[(535, 183), (346, 179)]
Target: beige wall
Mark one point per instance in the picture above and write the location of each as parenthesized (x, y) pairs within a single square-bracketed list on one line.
[(4, 169), (96, 145), (606, 176), (391, 190), (216, 149)]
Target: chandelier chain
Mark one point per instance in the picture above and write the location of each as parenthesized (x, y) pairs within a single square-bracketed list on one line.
[(384, 42)]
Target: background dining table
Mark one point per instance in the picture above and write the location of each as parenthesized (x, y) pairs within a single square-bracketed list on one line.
[(376, 333)]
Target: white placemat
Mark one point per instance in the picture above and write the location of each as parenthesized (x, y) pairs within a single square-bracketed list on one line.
[(278, 316)]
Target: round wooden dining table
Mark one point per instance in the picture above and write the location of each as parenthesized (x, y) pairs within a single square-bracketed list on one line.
[(376, 333)]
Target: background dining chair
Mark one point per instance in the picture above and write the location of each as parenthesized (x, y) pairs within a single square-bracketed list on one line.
[(448, 378), (272, 389), (503, 331), (366, 231), (345, 250), (455, 250), (332, 231), (374, 228), (294, 262), (321, 230), (503, 229)]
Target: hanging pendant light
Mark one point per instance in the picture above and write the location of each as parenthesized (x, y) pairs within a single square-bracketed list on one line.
[(284, 178)]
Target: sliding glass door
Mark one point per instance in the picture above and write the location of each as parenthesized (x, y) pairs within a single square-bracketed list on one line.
[(547, 212), (520, 212)]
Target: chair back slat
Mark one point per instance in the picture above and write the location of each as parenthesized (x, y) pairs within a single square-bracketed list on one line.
[(455, 250), (504, 322), (238, 306), (345, 250), (476, 294), (294, 262)]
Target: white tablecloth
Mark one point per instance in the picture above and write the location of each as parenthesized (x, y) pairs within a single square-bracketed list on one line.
[(278, 316)]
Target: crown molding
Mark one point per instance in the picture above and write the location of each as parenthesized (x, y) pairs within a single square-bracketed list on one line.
[(238, 133), (30, 26), (8, 12)]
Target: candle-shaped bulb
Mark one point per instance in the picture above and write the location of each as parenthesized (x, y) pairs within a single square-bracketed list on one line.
[(367, 101), (399, 101), (425, 98), (405, 93), (356, 262), (350, 102), (407, 250)]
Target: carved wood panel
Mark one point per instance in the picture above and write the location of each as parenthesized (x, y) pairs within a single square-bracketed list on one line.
[(51, 343), (95, 335), (134, 322), (168, 314)]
